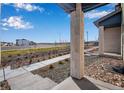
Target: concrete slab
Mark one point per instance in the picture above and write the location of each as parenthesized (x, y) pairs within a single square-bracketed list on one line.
[(103, 85), (9, 73), (85, 83), (113, 55), (41, 85), (45, 63), (33, 66), (12, 73), (67, 84), (24, 80), (54, 60)]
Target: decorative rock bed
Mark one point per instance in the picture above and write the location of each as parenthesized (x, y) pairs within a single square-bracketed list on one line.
[(103, 71), (4, 85), (95, 67), (57, 71)]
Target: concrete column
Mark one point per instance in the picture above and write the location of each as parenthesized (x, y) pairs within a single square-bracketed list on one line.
[(101, 40), (122, 32), (77, 43)]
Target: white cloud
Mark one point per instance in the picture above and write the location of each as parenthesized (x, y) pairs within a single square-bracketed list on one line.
[(5, 29), (96, 14), (16, 22), (28, 7), (68, 15)]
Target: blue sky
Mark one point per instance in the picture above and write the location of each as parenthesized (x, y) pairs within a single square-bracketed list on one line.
[(44, 22)]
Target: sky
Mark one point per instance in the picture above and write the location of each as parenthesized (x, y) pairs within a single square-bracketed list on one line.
[(43, 22)]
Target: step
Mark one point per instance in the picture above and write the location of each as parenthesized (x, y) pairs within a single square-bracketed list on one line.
[(67, 84), (21, 77), (45, 84), (24, 81)]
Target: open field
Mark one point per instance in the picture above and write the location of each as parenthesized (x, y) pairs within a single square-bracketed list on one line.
[(17, 58), (4, 48)]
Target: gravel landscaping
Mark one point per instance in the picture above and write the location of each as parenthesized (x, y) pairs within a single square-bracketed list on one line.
[(101, 68), (4, 85), (57, 71)]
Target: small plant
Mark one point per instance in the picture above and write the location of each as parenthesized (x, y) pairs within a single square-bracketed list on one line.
[(30, 61), (18, 54), (61, 62), (51, 67), (37, 55), (66, 59), (18, 59), (60, 55), (38, 60), (9, 55), (26, 57)]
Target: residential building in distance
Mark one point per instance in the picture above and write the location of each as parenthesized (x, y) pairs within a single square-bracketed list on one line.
[(24, 42), (7, 44)]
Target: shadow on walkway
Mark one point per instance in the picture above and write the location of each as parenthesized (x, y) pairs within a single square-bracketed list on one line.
[(85, 84)]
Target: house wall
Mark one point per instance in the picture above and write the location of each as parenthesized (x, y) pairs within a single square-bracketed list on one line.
[(112, 40)]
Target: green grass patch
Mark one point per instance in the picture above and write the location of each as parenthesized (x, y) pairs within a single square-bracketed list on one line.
[(27, 51)]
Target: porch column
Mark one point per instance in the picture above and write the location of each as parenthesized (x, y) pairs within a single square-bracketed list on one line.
[(77, 42), (122, 32), (101, 40)]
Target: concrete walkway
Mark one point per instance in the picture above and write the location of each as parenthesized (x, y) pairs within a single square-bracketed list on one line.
[(90, 49), (29, 81), (9, 73)]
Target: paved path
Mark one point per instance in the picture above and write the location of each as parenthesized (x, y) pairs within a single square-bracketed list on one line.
[(91, 49), (9, 73), (29, 81)]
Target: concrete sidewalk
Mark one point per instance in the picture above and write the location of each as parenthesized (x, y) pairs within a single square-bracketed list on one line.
[(9, 73)]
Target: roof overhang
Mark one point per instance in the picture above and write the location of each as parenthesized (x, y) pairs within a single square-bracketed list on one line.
[(70, 7), (108, 19)]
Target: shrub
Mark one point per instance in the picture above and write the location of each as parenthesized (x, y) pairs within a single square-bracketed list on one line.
[(51, 67), (66, 59), (30, 61), (61, 62), (18, 59), (9, 55), (18, 54), (38, 60), (26, 57), (60, 55)]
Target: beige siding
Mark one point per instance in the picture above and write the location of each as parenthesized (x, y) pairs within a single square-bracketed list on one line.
[(112, 40)]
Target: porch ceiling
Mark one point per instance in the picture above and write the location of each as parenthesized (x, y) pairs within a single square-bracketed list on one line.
[(69, 7)]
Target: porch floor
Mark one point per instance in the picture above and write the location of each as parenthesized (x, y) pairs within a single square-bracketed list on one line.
[(86, 83)]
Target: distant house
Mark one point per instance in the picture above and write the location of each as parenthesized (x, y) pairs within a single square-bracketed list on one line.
[(24, 42), (110, 32), (7, 44)]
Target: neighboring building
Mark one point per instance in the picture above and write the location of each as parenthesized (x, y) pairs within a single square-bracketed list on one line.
[(32, 43), (110, 32), (7, 44), (24, 42)]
